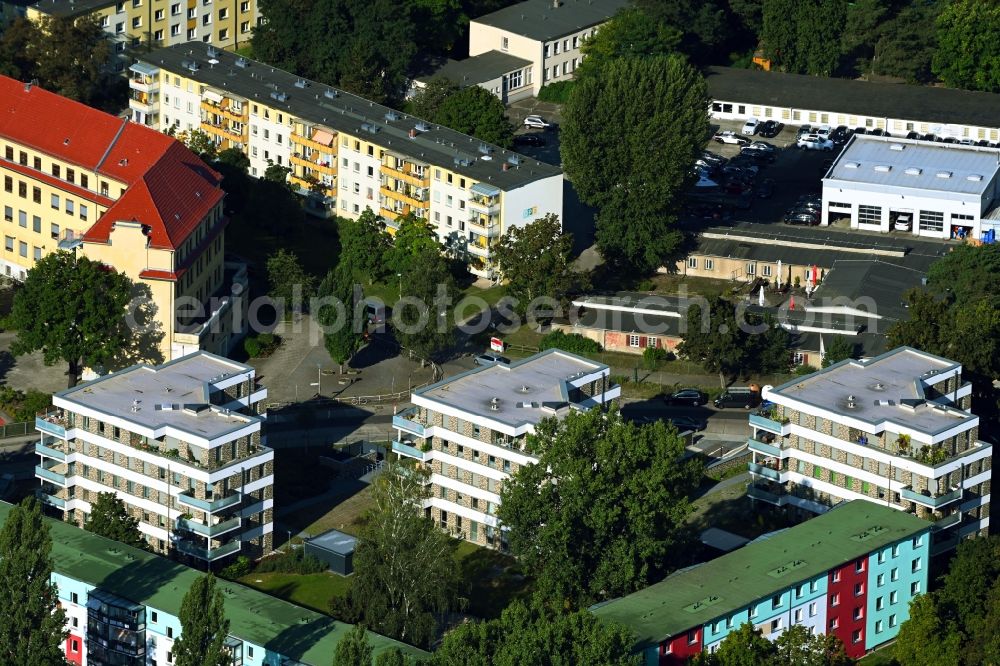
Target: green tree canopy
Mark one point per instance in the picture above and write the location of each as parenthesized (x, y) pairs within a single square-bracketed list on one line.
[(354, 648), (478, 112), (421, 318), (838, 348), (804, 36), (110, 518), (703, 25), (201, 144), (414, 240), (73, 310), (341, 318), (966, 56), (631, 133), (427, 102), (535, 634), (794, 647), (631, 33), (603, 511), (960, 273), (31, 620), (536, 261), (405, 575), (288, 281), (204, 626), (365, 246), (729, 340)]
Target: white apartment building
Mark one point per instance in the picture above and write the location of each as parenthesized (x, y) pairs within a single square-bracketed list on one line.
[(181, 444), (470, 430), (545, 33), (942, 190), (895, 429), (348, 154)]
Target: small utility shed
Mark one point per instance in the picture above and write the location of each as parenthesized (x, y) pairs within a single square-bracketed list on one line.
[(334, 548)]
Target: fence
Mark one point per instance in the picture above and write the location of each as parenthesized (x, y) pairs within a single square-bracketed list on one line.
[(21, 429)]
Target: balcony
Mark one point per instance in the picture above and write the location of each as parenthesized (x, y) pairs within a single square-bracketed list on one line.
[(142, 101), (404, 421), (478, 249), (49, 448), (766, 449), (212, 505), (321, 140), (927, 500), (209, 530), (144, 82), (770, 424), (948, 521), (52, 422), (49, 473), (407, 449), (765, 471), (489, 205), (753, 492), (51, 500), (326, 166), (208, 553), (408, 173), (411, 197)]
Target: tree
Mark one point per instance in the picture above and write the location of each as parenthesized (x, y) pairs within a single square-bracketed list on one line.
[(421, 318), (631, 33), (110, 518), (796, 646), (477, 111), (536, 261), (702, 24), (276, 173), (729, 341), (288, 281), (413, 240), (535, 634), (631, 133), (17, 49), (393, 657), (839, 348), (365, 246), (31, 619), (354, 648), (235, 158), (339, 315), (965, 57), (907, 42), (603, 511), (803, 36), (428, 100), (744, 647), (405, 576), (925, 639), (73, 310), (201, 144), (204, 626), (960, 273)]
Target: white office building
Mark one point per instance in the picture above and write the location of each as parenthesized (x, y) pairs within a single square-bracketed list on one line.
[(470, 431)]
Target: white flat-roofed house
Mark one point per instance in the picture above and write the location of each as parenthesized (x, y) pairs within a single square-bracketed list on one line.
[(470, 430)]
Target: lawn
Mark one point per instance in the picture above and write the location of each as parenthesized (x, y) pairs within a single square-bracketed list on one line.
[(347, 516), (310, 590), (880, 657)]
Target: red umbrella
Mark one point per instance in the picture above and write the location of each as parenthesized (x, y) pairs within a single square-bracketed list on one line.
[(791, 303)]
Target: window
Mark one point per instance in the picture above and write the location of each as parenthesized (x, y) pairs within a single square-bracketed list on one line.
[(504, 43), (8, 184), (915, 565), (878, 626), (870, 215), (895, 550), (858, 612), (918, 541), (692, 262), (893, 597), (856, 636), (158, 15), (751, 268), (775, 625), (22, 219), (914, 589), (119, 28), (514, 80), (137, 22), (775, 602), (956, 217), (9, 243), (892, 621), (175, 9), (692, 637), (812, 609), (224, 35), (83, 212), (36, 194), (859, 566), (931, 220), (880, 581), (223, 14), (709, 264), (174, 31), (879, 603), (55, 201), (8, 214), (22, 249), (834, 599), (633, 341), (36, 224), (836, 576), (834, 623), (158, 35), (894, 575), (798, 615), (245, 27), (766, 270)]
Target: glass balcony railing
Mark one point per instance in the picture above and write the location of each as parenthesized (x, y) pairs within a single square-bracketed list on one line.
[(769, 424), (52, 422), (48, 474), (754, 492), (931, 501), (48, 449), (765, 471), (51, 500), (407, 449), (210, 505), (762, 447), (209, 530), (208, 553), (404, 421)]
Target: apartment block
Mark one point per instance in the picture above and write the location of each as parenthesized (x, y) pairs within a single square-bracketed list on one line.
[(851, 572), (181, 444), (75, 178), (546, 34), (469, 431), (123, 607), (347, 154), (135, 26), (894, 430)]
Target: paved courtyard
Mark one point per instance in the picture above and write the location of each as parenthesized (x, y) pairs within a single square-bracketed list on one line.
[(29, 371)]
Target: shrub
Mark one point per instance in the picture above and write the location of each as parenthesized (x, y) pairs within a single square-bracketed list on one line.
[(296, 562), (241, 567), (804, 370), (572, 342), (652, 356), (557, 92), (23, 406), (251, 346), (257, 346)]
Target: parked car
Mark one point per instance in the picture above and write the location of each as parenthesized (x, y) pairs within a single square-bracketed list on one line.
[(766, 189), (763, 146), (814, 142), (840, 135), (803, 130), (967, 142), (860, 130), (491, 359), (949, 139), (730, 137), (709, 156), (929, 137), (809, 203), (528, 140), (983, 143), (750, 126), (823, 131), (770, 129), (904, 222), (913, 135), (807, 218), (536, 122), (756, 156), (741, 166), (878, 131), (686, 423), (688, 396), (737, 397)]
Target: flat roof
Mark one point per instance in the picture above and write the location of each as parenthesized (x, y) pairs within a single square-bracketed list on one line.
[(335, 542), (871, 282), (478, 68), (544, 20), (69, 8), (175, 394), (154, 581), (732, 582), (528, 390), (885, 388), (916, 165), (345, 112), (929, 104)]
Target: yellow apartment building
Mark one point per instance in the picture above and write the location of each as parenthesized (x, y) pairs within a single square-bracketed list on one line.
[(78, 179), (347, 154)]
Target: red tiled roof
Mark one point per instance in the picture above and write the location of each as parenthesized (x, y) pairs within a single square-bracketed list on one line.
[(169, 189)]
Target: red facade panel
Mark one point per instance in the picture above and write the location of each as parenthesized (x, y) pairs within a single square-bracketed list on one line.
[(847, 591), (74, 649), (676, 650)]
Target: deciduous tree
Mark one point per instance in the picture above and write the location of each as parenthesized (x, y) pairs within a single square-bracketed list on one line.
[(966, 57), (603, 511), (365, 246), (425, 104), (73, 310), (201, 144), (354, 648), (478, 112), (535, 261), (413, 240), (838, 348), (288, 281), (110, 518), (341, 318), (804, 36), (631, 33), (31, 620), (421, 318), (204, 626)]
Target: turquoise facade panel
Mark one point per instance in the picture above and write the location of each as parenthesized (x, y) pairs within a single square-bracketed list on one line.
[(896, 573)]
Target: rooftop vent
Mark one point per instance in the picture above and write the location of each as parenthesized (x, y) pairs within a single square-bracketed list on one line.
[(514, 159), (524, 388), (391, 116), (193, 66), (371, 128), (896, 146), (301, 83), (883, 168), (852, 165), (914, 171), (242, 62), (494, 404), (974, 177), (943, 174), (879, 386), (485, 148), (212, 52), (279, 96), (852, 402), (422, 126), (330, 93), (462, 161)]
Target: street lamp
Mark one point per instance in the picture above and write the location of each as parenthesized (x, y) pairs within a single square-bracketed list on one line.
[(400, 292), (319, 381)]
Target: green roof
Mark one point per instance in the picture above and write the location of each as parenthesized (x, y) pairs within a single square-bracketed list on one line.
[(151, 580), (734, 581)]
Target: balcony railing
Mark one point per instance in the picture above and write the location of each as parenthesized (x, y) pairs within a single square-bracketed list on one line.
[(50, 451), (948, 521), (208, 553), (407, 449), (210, 505), (754, 492), (762, 447), (50, 475), (209, 530), (928, 500), (769, 424), (51, 500), (53, 422), (404, 422), (764, 470)]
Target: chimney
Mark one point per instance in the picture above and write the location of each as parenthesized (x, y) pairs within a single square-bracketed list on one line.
[(505, 166), (555, 4)]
